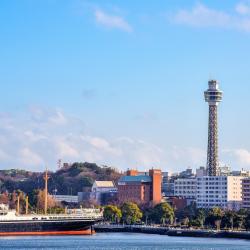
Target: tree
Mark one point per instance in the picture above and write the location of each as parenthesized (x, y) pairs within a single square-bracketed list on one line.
[(112, 213), (163, 213), (228, 219), (247, 222), (40, 200), (200, 217), (131, 213), (214, 217), (4, 198)]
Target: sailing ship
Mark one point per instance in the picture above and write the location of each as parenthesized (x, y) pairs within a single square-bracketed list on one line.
[(72, 222)]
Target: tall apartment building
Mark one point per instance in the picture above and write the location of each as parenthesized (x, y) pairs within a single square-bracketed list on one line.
[(219, 191), (246, 193), (140, 188), (186, 188)]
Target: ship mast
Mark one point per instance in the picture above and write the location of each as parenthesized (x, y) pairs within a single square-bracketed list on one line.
[(27, 204), (18, 204), (46, 177)]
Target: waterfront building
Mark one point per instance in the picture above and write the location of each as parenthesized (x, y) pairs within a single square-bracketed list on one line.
[(186, 188), (140, 188), (246, 193), (168, 180), (213, 96), (103, 190), (219, 191)]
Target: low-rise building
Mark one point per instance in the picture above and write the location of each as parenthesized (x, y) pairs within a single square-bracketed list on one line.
[(66, 198), (219, 191), (103, 190)]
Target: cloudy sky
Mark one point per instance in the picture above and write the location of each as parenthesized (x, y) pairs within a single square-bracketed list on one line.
[(121, 82)]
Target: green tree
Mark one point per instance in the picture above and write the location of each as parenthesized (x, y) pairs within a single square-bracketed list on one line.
[(112, 213), (228, 219), (214, 217), (131, 213), (247, 222), (200, 217), (163, 213)]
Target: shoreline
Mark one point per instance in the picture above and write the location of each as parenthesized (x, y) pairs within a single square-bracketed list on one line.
[(172, 232)]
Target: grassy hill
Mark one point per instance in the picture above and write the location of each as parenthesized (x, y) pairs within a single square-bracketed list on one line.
[(68, 180)]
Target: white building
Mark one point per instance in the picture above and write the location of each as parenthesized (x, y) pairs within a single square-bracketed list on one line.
[(185, 187), (102, 188), (66, 198), (219, 191)]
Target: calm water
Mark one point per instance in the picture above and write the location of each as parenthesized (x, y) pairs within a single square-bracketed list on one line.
[(121, 241)]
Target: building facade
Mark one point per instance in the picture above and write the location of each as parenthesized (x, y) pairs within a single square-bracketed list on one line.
[(140, 188), (103, 190), (186, 188), (219, 191), (246, 193)]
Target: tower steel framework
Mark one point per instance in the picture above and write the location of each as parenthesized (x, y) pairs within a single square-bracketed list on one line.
[(213, 96)]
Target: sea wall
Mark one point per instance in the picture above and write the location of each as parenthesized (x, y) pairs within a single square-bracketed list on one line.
[(172, 232)]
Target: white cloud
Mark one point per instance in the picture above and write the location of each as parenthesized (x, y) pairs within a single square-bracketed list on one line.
[(243, 156), (243, 8), (112, 21), (34, 141), (65, 150), (203, 16), (40, 137), (190, 156), (30, 158)]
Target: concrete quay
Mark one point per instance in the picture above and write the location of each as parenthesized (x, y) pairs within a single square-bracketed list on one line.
[(105, 228)]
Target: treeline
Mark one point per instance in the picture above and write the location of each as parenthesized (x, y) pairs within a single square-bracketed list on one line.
[(35, 201), (191, 216), (65, 181)]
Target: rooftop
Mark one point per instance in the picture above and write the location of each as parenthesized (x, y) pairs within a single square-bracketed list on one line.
[(137, 178), (104, 184)]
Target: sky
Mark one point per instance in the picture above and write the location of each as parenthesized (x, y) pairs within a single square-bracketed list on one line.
[(121, 83)]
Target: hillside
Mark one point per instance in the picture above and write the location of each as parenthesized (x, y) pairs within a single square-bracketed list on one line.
[(68, 180)]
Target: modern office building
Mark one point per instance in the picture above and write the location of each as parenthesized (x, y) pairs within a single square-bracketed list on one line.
[(213, 96), (140, 188), (219, 191)]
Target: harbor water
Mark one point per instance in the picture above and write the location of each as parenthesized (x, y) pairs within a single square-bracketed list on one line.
[(122, 241)]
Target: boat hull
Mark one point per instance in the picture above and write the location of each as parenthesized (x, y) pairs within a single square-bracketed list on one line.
[(20, 228)]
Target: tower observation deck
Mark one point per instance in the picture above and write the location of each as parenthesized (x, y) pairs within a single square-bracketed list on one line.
[(213, 96)]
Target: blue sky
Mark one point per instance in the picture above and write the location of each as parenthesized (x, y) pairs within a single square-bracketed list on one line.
[(121, 82)]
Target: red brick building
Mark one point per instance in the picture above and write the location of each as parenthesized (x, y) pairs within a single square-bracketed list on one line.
[(140, 188)]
